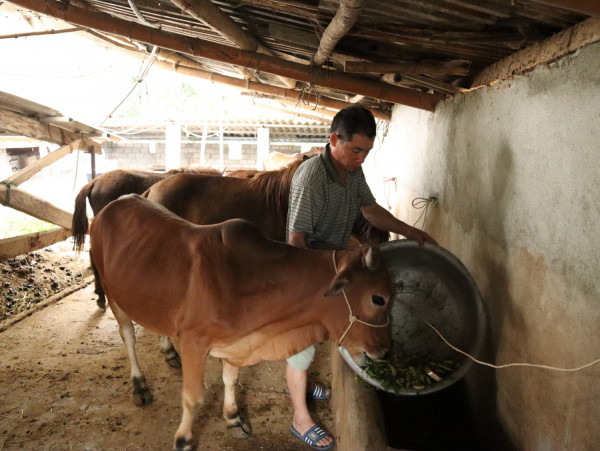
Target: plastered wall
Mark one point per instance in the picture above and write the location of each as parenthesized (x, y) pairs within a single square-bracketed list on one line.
[(516, 168)]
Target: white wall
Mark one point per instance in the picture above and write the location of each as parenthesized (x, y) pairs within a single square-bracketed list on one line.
[(516, 167)]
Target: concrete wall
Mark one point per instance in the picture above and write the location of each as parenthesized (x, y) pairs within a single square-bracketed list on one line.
[(516, 168), (137, 155)]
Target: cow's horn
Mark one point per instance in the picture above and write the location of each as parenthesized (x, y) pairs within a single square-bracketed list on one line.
[(372, 259)]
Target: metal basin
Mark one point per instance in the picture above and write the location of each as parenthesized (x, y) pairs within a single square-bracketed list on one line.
[(430, 284)]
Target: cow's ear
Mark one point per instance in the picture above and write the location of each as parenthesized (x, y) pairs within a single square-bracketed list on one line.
[(337, 286), (371, 258)]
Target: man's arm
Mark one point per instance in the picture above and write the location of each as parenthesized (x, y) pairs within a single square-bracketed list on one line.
[(297, 239), (383, 219)]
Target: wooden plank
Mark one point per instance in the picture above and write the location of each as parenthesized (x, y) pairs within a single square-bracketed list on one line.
[(20, 200), (27, 172), (551, 49), (21, 125), (11, 247)]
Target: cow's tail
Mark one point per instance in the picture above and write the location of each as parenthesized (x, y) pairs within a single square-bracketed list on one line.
[(80, 220), (101, 301)]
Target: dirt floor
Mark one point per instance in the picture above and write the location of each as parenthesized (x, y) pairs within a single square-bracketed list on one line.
[(64, 379)]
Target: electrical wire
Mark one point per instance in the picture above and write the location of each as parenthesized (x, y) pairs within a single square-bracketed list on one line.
[(508, 365), (141, 75)]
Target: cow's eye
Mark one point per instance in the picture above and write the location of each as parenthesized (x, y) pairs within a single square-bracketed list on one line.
[(378, 300)]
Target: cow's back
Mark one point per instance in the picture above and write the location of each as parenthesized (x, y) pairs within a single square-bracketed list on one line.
[(209, 200), (134, 248), (160, 269)]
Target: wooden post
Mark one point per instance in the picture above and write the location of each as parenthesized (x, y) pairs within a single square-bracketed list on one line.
[(93, 160), (262, 147)]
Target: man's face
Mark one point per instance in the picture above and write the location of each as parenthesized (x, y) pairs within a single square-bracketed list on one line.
[(350, 154)]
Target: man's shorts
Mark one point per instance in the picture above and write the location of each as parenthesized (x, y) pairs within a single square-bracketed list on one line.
[(303, 359)]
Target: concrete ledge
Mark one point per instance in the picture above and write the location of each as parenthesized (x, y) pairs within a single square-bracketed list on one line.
[(359, 421)]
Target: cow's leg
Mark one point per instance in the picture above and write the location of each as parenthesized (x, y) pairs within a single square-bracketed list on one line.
[(193, 357), (142, 395), (101, 301), (171, 355), (237, 426)]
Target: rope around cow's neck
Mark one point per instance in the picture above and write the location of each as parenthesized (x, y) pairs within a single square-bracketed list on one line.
[(353, 318)]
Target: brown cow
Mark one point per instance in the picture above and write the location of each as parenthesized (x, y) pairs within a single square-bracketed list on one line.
[(278, 160), (228, 291), (108, 187)]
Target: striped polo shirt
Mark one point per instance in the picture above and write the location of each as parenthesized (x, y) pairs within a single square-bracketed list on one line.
[(324, 206)]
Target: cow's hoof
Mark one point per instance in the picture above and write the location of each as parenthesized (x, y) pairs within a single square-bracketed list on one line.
[(101, 303), (142, 396), (173, 360), (240, 429), (182, 444)]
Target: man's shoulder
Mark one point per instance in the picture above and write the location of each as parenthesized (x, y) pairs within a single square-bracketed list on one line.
[(310, 171)]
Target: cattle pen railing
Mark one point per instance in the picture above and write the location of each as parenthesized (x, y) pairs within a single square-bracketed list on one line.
[(14, 197)]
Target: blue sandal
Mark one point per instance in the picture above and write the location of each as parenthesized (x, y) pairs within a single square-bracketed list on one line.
[(317, 392), (313, 436)]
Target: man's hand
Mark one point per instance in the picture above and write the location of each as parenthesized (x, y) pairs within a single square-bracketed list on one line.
[(419, 236)]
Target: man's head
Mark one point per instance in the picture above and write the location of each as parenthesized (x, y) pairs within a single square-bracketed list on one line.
[(352, 136), (353, 119)]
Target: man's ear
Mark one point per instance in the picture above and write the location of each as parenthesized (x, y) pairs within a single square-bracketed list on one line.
[(333, 139)]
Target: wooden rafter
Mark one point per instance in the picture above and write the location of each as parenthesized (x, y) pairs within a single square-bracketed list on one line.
[(262, 63), (591, 7), (557, 46), (211, 14), (457, 67)]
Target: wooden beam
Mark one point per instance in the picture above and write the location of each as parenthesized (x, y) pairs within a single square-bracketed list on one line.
[(290, 94), (457, 67), (217, 52), (28, 171), (591, 7), (551, 49), (18, 124), (11, 247), (344, 19), (16, 198)]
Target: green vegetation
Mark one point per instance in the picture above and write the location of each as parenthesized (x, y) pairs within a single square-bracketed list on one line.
[(14, 223)]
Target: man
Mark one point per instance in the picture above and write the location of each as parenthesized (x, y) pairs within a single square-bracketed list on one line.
[(326, 195)]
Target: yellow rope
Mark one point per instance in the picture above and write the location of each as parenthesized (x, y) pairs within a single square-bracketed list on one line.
[(533, 365)]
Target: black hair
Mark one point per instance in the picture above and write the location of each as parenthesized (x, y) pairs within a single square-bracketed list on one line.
[(353, 119)]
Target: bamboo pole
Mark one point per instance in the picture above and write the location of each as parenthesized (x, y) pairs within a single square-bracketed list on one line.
[(211, 14), (262, 63), (344, 19), (39, 33)]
